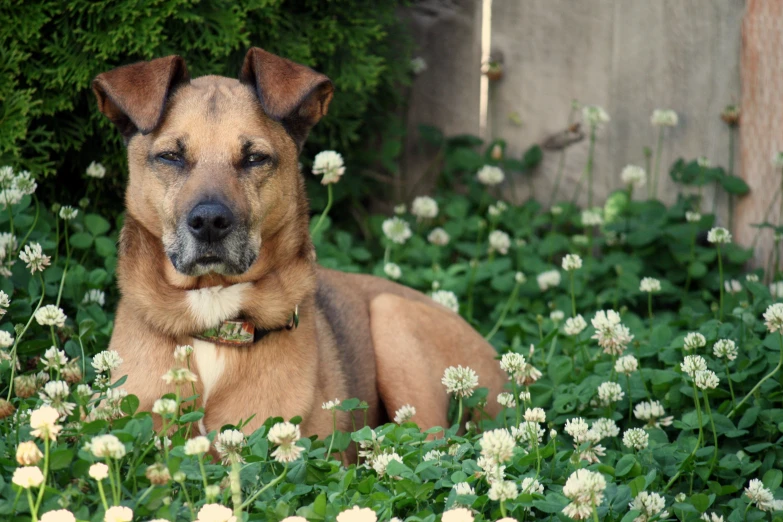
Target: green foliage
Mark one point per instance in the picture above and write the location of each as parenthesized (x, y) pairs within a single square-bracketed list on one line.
[(51, 50)]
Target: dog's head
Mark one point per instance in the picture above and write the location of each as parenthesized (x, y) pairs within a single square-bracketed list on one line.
[(213, 161)]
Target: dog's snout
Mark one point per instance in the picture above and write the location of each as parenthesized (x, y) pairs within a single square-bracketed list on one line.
[(210, 221)]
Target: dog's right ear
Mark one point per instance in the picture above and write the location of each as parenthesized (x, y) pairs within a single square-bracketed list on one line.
[(134, 96)]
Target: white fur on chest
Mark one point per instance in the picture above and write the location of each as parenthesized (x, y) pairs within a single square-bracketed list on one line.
[(210, 306), (210, 364)]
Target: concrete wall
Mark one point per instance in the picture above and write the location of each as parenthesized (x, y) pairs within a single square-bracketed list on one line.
[(628, 56)]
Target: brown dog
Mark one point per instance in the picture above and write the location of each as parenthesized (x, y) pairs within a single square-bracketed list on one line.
[(216, 230)]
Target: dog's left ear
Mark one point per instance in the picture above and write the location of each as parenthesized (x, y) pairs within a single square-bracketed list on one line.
[(295, 95)]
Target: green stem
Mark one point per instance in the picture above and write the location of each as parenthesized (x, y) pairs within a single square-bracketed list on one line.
[(720, 271), (459, 413), (517, 410), (203, 471), (67, 261), (326, 209), (698, 416), (714, 433), (236, 488), (35, 220), (658, 151), (45, 476), (334, 431), (758, 384), (595, 514), (509, 303), (503, 508), (33, 509), (255, 495), (630, 401), (731, 386), (19, 339), (573, 294), (103, 495), (650, 312)]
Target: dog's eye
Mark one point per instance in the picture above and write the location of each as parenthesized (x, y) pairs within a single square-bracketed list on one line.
[(170, 157), (256, 159)]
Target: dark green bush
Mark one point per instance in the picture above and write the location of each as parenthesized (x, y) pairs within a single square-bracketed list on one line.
[(51, 50)]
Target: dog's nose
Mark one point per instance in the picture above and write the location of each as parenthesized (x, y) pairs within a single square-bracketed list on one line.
[(210, 221)]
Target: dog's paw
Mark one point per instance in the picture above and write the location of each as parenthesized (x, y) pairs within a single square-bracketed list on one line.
[(213, 305)]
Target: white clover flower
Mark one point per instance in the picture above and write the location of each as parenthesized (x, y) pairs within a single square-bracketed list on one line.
[(650, 505), (331, 405), (502, 491), (10, 197), (725, 348), (44, 423), (463, 488), (732, 286), (580, 240), (759, 495), (34, 258), (459, 514), (706, 380), (664, 118), (524, 396), (400, 209), (773, 318), (506, 400), (330, 164), (493, 471), (636, 438), (285, 435), (497, 446), (574, 325), (106, 446), (776, 289), (499, 242), (626, 365), (650, 285), (397, 230), (229, 444), (535, 415), (392, 270), (106, 361), (96, 170), (28, 477), (592, 218), (24, 183), (58, 515), (99, 471), (28, 454), (609, 392), (382, 461), (432, 455), (5, 302), (531, 485), (182, 352), (54, 394), (693, 341), (179, 376), (572, 262), (6, 175), (611, 335), (460, 381), (68, 213), (357, 514), (50, 315), (438, 237), (197, 446), (404, 414), (692, 364), (556, 316), (83, 391), (548, 279), (215, 513), (603, 428), (490, 175), (680, 497), (594, 116), (712, 517), (94, 296), (446, 298), (513, 364), (633, 175), (519, 278), (418, 65), (692, 217), (164, 407), (6, 339), (653, 413), (585, 489), (497, 209), (752, 278), (577, 428), (424, 207), (54, 359), (719, 235)]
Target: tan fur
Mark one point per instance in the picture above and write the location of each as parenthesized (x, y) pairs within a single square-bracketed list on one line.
[(358, 336)]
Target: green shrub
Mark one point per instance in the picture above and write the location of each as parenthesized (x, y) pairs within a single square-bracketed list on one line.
[(51, 50)]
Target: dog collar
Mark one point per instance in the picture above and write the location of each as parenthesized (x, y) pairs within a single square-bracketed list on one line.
[(243, 333)]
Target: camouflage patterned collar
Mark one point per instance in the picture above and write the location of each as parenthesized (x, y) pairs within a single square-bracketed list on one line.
[(243, 333)]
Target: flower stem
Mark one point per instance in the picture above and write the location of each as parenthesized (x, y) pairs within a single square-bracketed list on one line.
[(509, 303), (731, 386), (103, 495), (19, 339), (503, 508), (650, 312), (255, 495), (758, 384), (334, 431), (236, 488), (573, 294), (45, 473), (328, 207), (459, 412), (33, 509), (630, 401), (698, 415), (203, 471), (720, 271), (714, 433)]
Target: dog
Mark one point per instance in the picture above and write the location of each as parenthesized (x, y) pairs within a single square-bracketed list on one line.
[(215, 252)]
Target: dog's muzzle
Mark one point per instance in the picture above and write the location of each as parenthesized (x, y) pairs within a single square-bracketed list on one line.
[(210, 239)]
